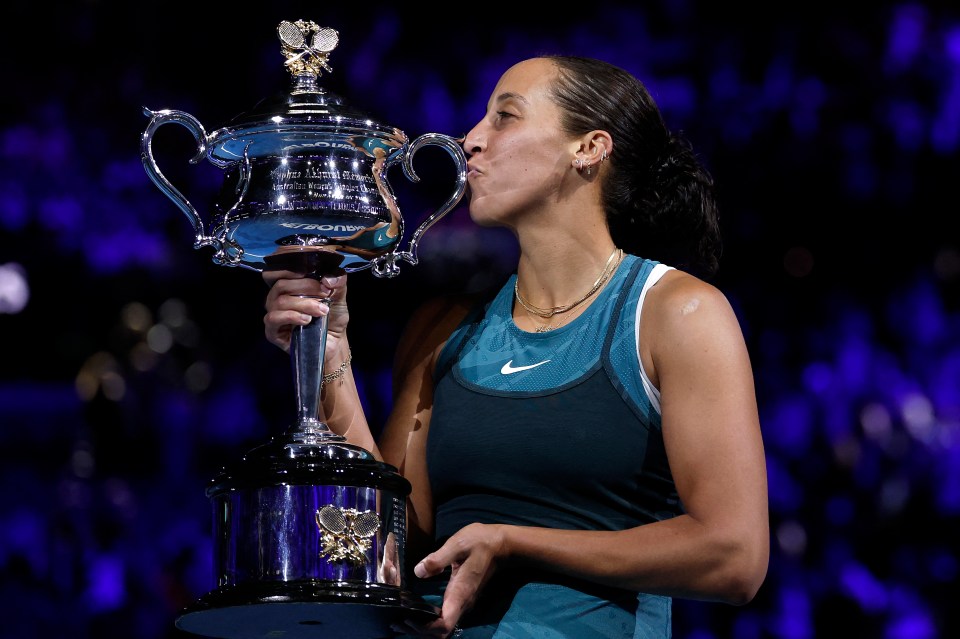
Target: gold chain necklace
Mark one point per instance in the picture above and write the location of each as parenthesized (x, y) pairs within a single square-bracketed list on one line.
[(547, 313), (549, 327)]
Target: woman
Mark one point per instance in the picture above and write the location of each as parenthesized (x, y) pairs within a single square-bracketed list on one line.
[(585, 444)]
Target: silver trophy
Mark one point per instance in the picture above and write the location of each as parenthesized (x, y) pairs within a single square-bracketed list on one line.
[(309, 530)]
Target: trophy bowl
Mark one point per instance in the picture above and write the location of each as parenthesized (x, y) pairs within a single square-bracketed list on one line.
[(305, 175), (309, 530)]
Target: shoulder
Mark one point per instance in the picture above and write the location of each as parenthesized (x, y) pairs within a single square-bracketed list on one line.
[(443, 314), (431, 324), (680, 292), (681, 310)]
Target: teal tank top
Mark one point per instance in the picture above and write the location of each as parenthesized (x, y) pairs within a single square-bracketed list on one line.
[(555, 429)]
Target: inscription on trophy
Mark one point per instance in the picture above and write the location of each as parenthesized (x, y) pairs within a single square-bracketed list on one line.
[(284, 176), (311, 187)]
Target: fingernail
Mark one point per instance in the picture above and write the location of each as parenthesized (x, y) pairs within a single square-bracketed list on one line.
[(306, 318), (419, 570)]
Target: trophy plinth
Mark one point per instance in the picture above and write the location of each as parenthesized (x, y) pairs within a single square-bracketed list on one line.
[(309, 530), (309, 542)]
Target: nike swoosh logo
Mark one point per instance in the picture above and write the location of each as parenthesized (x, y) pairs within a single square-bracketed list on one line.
[(509, 368)]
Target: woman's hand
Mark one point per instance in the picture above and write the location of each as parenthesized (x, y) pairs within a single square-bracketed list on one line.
[(472, 555), (294, 299)]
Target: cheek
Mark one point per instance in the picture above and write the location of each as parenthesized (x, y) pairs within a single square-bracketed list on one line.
[(525, 170), (531, 164)]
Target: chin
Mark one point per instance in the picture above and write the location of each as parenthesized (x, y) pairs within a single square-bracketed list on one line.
[(479, 218), (484, 222)]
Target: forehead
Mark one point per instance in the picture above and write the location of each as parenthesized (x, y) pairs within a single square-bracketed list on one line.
[(530, 80)]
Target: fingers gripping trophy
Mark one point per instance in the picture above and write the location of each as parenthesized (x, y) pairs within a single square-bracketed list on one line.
[(309, 530)]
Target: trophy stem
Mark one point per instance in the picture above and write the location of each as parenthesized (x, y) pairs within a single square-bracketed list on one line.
[(307, 346)]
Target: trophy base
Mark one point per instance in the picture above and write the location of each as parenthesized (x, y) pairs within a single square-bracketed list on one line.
[(312, 609)]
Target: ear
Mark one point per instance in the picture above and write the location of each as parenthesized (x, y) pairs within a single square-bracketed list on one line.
[(592, 149)]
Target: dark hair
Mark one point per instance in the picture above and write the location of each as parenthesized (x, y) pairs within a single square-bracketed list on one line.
[(658, 197)]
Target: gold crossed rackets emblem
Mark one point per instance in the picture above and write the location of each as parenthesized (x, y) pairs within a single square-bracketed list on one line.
[(307, 55), (346, 533)]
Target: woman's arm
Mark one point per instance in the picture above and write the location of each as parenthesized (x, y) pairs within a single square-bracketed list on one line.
[(294, 300), (694, 351), (404, 437)]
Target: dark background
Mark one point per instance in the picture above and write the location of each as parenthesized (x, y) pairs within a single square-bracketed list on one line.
[(132, 367)]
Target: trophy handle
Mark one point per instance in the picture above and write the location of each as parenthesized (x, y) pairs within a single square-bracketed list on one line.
[(386, 265), (157, 119)]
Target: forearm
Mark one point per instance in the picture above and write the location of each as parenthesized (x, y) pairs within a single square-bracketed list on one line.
[(341, 405), (679, 557)]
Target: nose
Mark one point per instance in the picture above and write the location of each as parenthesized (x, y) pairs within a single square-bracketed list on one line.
[(474, 140)]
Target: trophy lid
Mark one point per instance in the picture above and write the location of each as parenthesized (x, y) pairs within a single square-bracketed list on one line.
[(296, 458), (308, 118)]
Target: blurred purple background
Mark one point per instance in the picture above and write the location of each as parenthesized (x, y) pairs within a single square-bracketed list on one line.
[(133, 368)]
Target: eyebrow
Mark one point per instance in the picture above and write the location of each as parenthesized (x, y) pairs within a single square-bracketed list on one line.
[(511, 95)]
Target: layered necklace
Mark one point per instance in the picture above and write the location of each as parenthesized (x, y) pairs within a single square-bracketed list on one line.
[(546, 313)]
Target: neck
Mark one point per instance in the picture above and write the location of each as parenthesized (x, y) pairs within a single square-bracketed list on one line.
[(554, 279), (563, 248)]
